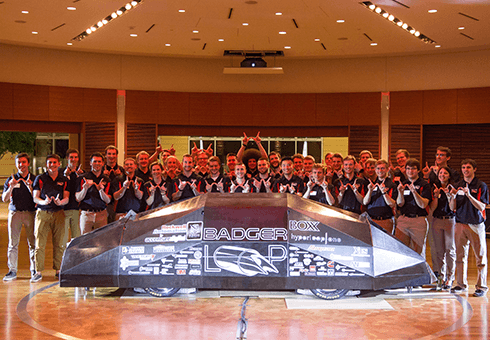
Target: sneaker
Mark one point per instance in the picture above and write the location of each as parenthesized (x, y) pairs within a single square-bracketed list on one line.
[(37, 277), (480, 292), (447, 286), (57, 274), (11, 275), (459, 289)]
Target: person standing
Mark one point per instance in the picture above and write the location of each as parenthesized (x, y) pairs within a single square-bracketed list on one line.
[(317, 189), (469, 200), (50, 193), (288, 182), (93, 195), (18, 191), (127, 190), (112, 170), (349, 188), (215, 181), (155, 191)]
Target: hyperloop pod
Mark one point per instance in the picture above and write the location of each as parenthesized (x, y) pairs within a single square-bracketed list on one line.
[(243, 241)]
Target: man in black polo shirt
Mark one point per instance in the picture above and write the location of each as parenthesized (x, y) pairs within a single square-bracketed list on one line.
[(215, 181), (93, 195), (50, 194), (275, 164), (18, 191), (469, 200), (126, 190), (112, 170), (414, 196), (317, 189), (143, 160), (187, 184), (288, 182), (443, 155), (263, 181), (72, 214), (349, 188), (156, 191), (380, 198)]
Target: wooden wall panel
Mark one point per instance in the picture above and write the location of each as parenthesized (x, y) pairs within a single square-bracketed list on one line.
[(268, 110), (406, 137), (406, 107), (474, 105), (140, 137), (142, 106), (364, 108), (205, 108), (97, 136), (35, 126), (31, 102), (440, 107), (65, 104), (173, 108), (442, 135), (236, 107), (99, 105), (332, 109), (364, 138), (299, 109), (6, 101)]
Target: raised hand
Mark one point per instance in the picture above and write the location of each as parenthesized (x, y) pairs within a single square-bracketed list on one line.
[(172, 150), (194, 150), (282, 188), (257, 183), (79, 170), (246, 188), (257, 138), (209, 150), (426, 169), (267, 183), (437, 191), (342, 188), (371, 185), (127, 183), (292, 189), (56, 200), (245, 139), (209, 187), (182, 184)]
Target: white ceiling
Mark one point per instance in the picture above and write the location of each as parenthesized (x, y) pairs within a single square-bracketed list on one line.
[(316, 19)]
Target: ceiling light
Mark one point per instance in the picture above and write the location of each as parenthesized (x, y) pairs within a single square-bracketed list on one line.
[(69, 44), (378, 10), (404, 26), (400, 23), (437, 46), (461, 28), (71, 8), (385, 15), (374, 44), (134, 3), (167, 44), (372, 7), (114, 15), (128, 6), (119, 12), (340, 21), (221, 39), (105, 21), (432, 10), (25, 12), (391, 17), (195, 31), (181, 10), (93, 29), (278, 13), (245, 24), (133, 35), (88, 30), (317, 39), (100, 24), (282, 32), (34, 32), (417, 34), (287, 47)]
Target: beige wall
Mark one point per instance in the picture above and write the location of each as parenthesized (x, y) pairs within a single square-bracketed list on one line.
[(30, 65)]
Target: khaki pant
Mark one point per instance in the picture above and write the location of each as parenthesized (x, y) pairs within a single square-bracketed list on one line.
[(444, 247), (474, 234), (72, 224), (387, 225), (49, 221), (412, 231), (17, 219), (92, 220)]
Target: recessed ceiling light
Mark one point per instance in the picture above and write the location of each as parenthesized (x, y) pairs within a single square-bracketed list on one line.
[(432, 10), (181, 10), (340, 21), (71, 8), (437, 46), (221, 39), (461, 28), (167, 44), (25, 12), (195, 31), (245, 24), (317, 39), (133, 35), (278, 13), (287, 47), (282, 32), (34, 32), (374, 44), (69, 44)]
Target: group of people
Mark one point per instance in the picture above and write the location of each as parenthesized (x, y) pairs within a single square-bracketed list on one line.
[(410, 202)]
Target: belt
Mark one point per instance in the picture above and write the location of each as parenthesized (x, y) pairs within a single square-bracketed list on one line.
[(444, 217), (94, 210), (380, 218), (413, 216)]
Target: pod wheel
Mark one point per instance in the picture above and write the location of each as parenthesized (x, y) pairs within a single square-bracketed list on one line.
[(329, 294), (162, 292)]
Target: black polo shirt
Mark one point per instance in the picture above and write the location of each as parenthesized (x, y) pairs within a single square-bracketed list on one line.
[(128, 201), (21, 197), (187, 192), (262, 186), (50, 188), (157, 200), (240, 188), (377, 207), (92, 200), (72, 188), (223, 179), (145, 176), (410, 208), (295, 182), (442, 209), (112, 170), (465, 211), (317, 193), (455, 177), (349, 201)]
